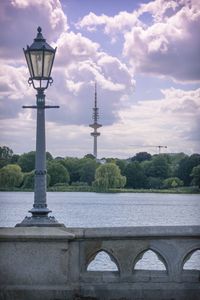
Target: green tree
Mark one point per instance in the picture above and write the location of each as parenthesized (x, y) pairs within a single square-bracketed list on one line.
[(5, 156), (135, 177), (195, 174), (154, 182), (10, 176), (87, 170), (172, 182), (109, 176), (185, 168), (141, 156), (14, 159), (158, 167), (29, 179), (49, 157), (72, 164), (121, 163), (174, 161), (111, 160), (58, 173), (27, 160), (89, 155)]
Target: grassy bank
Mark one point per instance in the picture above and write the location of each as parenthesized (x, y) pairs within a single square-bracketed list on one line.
[(180, 190)]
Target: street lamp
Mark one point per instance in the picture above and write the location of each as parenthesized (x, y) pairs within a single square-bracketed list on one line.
[(40, 58)]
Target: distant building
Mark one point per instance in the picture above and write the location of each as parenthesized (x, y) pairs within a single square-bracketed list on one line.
[(95, 124)]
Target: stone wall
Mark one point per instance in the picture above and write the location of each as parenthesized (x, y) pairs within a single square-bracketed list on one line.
[(52, 263)]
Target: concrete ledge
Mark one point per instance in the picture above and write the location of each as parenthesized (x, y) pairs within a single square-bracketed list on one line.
[(132, 232), (103, 232), (34, 233)]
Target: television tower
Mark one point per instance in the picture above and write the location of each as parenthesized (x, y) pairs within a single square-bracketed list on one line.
[(95, 125)]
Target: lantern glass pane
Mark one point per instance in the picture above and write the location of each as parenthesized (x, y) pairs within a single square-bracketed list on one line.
[(37, 62), (48, 61), (29, 63)]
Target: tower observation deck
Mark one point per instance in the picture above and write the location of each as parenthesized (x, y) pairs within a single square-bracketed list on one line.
[(95, 124)]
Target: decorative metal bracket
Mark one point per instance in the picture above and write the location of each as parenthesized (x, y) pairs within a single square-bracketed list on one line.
[(49, 81)]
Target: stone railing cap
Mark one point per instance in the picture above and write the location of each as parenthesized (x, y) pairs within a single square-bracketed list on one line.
[(50, 233), (132, 232)]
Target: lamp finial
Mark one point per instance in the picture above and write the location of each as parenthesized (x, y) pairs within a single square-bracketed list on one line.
[(39, 29)]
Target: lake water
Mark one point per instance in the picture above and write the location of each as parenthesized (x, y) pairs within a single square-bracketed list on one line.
[(102, 210)]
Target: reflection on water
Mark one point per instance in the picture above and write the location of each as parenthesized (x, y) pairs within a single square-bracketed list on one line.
[(101, 210)]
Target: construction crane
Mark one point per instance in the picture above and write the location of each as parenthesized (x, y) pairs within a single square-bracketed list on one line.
[(160, 147), (151, 146)]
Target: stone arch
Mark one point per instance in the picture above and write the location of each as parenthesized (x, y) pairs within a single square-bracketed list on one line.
[(111, 263), (186, 262), (163, 266)]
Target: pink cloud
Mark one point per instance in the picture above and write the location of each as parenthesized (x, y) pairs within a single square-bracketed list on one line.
[(19, 20), (168, 46)]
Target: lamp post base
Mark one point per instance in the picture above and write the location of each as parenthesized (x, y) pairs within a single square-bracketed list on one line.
[(39, 221)]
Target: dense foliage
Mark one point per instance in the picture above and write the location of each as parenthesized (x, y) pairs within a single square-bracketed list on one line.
[(108, 176), (10, 176), (142, 171)]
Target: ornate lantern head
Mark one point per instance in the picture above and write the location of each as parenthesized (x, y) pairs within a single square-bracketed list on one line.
[(40, 58)]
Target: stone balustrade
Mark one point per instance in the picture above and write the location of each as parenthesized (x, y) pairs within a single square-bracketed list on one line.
[(55, 263)]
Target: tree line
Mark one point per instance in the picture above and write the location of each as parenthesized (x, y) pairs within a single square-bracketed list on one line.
[(142, 171)]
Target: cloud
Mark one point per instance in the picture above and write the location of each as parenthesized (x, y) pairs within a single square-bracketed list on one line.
[(78, 63), (168, 48), (112, 25), (159, 9), (14, 91), (158, 49), (19, 20), (85, 61), (169, 121), (62, 139), (166, 121), (74, 47), (125, 21), (161, 38)]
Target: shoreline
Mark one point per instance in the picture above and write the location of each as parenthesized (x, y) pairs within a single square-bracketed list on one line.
[(83, 189)]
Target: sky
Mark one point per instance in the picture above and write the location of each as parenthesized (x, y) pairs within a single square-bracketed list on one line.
[(144, 56)]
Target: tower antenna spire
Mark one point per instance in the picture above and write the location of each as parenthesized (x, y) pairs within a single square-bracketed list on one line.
[(95, 125), (95, 95)]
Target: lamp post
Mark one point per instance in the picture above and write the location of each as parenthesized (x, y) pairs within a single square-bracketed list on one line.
[(40, 58)]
